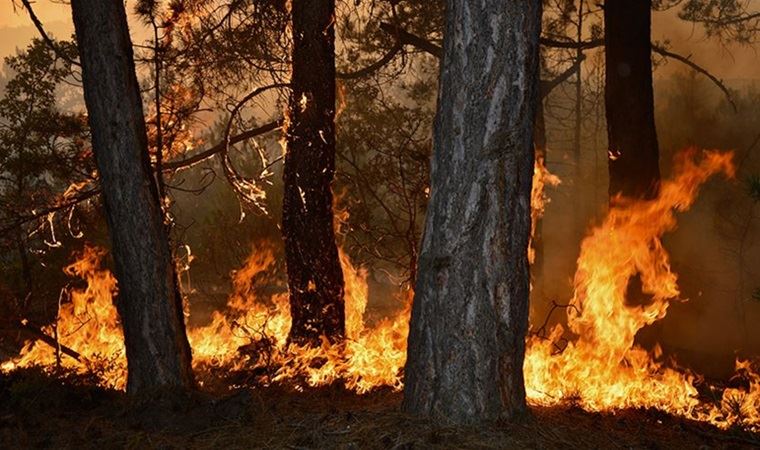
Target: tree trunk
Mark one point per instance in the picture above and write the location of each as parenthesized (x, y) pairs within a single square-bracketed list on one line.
[(26, 270), (315, 278), (629, 99), (470, 313), (149, 302)]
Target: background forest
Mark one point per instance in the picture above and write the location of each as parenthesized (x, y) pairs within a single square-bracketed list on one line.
[(212, 75)]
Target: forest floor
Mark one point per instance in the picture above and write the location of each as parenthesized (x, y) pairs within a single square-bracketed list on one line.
[(38, 411)]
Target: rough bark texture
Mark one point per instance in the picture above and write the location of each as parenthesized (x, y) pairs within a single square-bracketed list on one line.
[(629, 99), (149, 303), (315, 278), (470, 313)]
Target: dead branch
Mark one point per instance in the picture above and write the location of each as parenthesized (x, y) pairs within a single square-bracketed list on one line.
[(45, 37), (548, 85), (50, 210), (238, 181), (585, 45), (52, 342), (388, 57), (686, 60), (206, 154), (403, 37)]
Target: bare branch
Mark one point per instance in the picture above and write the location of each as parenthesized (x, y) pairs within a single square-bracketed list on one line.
[(686, 60), (403, 37), (548, 85), (52, 342), (45, 37), (388, 57), (244, 186), (46, 211), (206, 154), (585, 45)]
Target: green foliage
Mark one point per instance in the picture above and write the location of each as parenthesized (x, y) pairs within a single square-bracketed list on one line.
[(43, 150), (39, 145)]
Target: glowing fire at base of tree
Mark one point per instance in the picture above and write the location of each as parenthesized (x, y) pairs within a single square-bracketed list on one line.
[(600, 368)]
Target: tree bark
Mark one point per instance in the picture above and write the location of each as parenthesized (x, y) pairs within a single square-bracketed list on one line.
[(629, 99), (315, 278), (470, 313), (26, 269), (149, 302)]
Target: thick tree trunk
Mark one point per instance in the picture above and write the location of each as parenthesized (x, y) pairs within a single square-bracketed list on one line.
[(149, 302), (315, 278), (629, 99), (470, 313)]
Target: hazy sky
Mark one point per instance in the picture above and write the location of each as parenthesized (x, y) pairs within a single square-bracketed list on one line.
[(735, 62)]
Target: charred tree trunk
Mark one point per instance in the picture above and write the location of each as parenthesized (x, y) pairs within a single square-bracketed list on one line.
[(315, 278), (634, 155), (149, 302), (470, 313), (26, 270)]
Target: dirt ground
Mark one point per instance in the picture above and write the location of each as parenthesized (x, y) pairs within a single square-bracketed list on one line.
[(37, 411)]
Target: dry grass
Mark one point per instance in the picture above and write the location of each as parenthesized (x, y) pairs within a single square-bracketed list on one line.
[(37, 411)]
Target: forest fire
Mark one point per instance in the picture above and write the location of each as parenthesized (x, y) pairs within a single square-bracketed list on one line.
[(250, 334), (88, 323), (323, 224), (371, 356), (538, 199), (600, 368)]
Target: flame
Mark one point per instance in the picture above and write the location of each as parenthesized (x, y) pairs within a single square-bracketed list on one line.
[(88, 324), (370, 357), (601, 368), (538, 199), (594, 363)]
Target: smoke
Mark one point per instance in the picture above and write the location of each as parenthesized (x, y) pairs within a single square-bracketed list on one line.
[(726, 60)]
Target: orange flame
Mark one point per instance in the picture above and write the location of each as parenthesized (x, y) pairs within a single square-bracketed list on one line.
[(87, 324), (538, 199), (370, 357), (600, 368)]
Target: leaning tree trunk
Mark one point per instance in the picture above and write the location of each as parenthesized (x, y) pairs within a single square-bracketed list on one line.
[(470, 313), (315, 278), (149, 302), (629, 99)]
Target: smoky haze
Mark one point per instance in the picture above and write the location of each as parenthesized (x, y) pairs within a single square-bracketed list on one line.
[(714, 250)]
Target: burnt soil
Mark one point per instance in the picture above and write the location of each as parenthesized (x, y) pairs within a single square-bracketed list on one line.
[(40, 411)]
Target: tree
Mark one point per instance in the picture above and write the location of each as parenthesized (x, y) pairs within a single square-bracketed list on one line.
[(40, 147), (728, 20), (470, 313), (149, 302), (315, 277), (629, 99)]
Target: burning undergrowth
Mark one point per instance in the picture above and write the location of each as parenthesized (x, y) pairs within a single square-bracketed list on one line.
[(599, 366), (248, 337), (593, 362)]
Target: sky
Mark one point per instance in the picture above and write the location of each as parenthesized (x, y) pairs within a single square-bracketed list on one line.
[(727, 63)]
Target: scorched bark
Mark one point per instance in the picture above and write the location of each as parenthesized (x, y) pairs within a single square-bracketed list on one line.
[(149, 302), (629, 99), (315, 278)]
